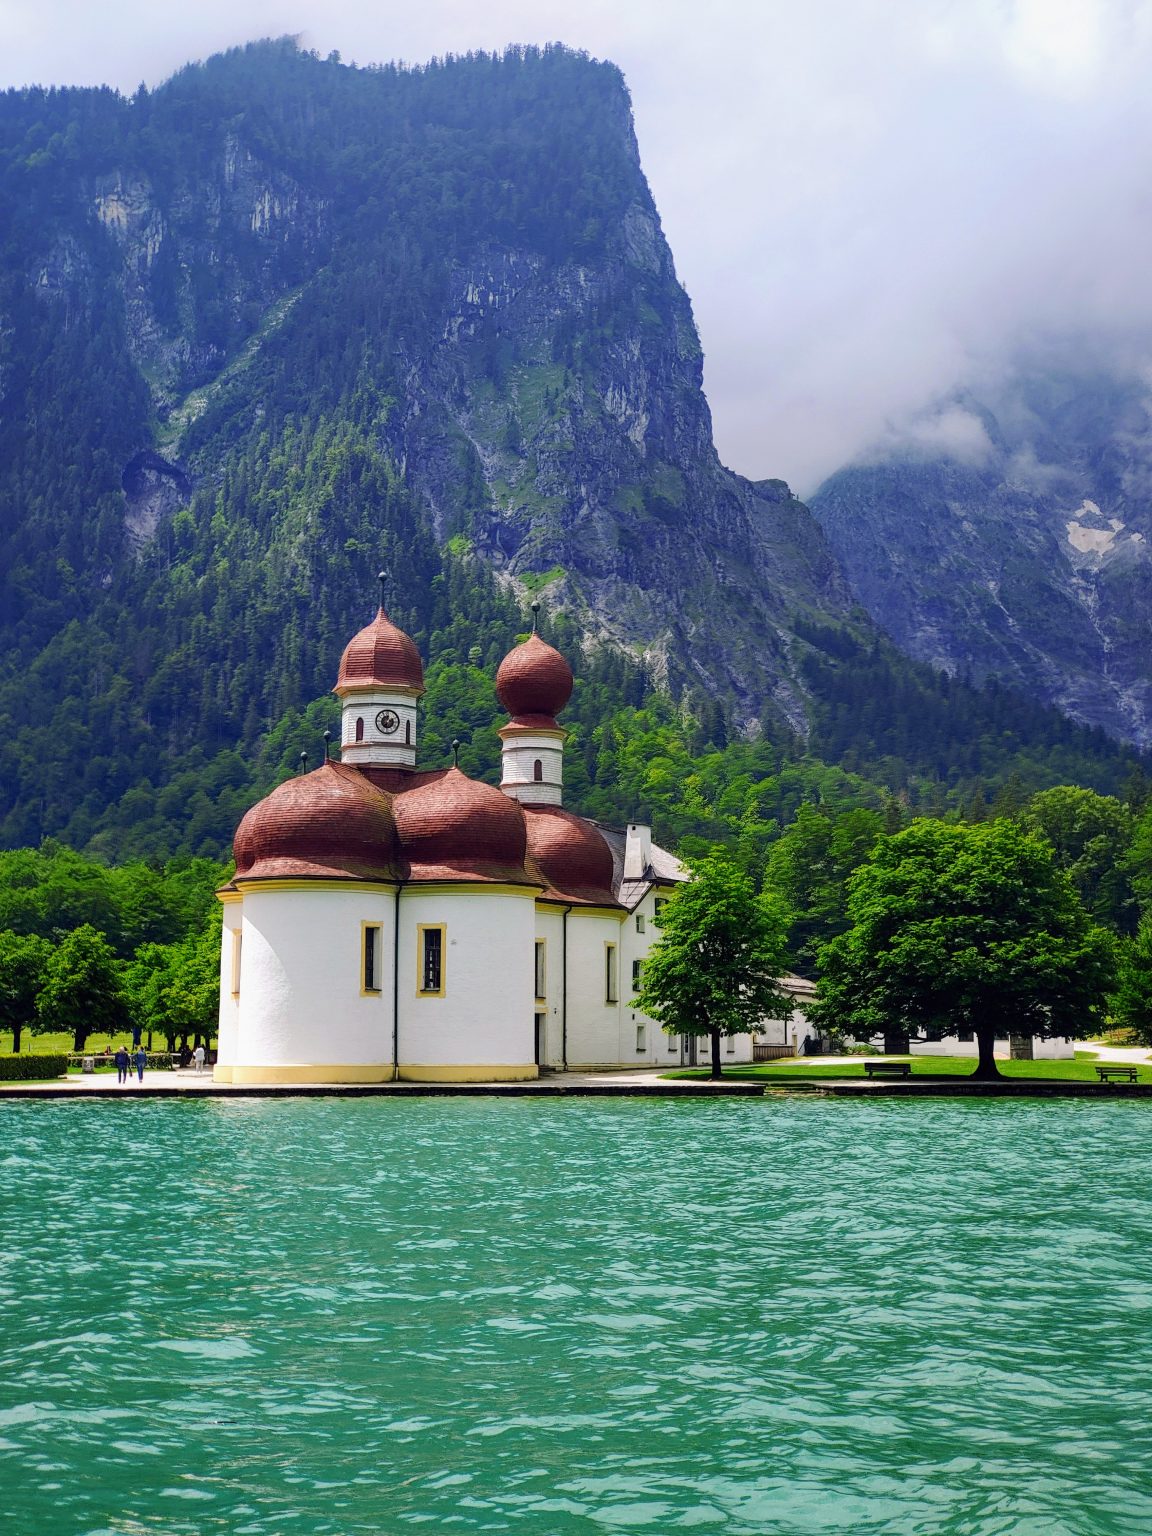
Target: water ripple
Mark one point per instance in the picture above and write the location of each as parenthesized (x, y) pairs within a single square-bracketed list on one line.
[(263, 1318)]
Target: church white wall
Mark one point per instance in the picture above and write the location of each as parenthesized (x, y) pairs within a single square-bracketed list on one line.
[(593, 1020), (397, 748), (485, 1017), (228, 1022), (301, 1014), (550, 929)]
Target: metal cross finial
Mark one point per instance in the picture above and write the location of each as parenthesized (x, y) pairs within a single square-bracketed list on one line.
[(535, 614), (455, 751)]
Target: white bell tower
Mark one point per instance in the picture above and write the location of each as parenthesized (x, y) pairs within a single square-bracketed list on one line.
[(379, 685), (534, 683)]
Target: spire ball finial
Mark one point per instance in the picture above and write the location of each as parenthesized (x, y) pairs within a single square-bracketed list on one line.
[(382, 578), (455, 751), (303, 762), (535, 613), (327, 745)]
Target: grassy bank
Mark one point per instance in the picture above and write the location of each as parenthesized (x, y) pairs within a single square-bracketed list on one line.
[(1080, 1070)]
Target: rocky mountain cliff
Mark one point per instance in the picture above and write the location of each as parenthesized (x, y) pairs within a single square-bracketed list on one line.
[(281, 322), (472, 246), (1023, 552)]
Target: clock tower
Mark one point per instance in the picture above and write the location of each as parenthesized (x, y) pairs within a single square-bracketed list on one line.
[(380, 682)]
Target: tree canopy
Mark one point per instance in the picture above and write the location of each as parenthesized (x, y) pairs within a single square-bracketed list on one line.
[(966, 928), (715, 969)]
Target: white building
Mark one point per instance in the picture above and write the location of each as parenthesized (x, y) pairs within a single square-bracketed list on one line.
[(390, 922)]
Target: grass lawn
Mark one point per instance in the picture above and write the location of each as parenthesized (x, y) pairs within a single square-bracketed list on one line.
[(1080, 1070), (49, 1045)]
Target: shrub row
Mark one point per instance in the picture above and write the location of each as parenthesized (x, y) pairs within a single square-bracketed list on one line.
[(31, 1068)]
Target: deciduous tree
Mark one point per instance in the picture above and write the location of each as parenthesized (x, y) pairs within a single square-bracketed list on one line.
[(966, 928), (82, 992), (715, 968)]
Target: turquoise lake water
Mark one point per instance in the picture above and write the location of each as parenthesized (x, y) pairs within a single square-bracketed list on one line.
[(337, 1316)]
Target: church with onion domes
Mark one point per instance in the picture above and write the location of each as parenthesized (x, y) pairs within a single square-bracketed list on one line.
[(387, 921)]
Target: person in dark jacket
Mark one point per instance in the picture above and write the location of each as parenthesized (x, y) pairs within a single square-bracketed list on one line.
[(122, 1064), (141, 1060)]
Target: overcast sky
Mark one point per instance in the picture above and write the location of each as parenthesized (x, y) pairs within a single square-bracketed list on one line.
[(869, 201)]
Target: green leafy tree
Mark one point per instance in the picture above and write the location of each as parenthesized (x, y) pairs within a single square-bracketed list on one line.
[(1132, 1004), (1090, 835), (964, 928), (23, 966), (715, 968), (83, 993)]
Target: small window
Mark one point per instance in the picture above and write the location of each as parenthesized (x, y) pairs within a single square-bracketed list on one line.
[(660, 903), (639, 922), (537, 771), (965, 1037), (237, 946), (674, 1044), (641, 1037), (541, 971), (731, 1046), (359, 727), (637, 974), (610, 984), (431, 956), (369, 958), (407, 733)]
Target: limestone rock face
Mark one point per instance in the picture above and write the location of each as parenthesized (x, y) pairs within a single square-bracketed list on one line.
[(1027, 558), (542, 382)]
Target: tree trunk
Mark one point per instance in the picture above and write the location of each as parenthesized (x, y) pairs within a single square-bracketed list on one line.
[(17, 1030), (714, 1069), (986, 1065), (79, 1035)]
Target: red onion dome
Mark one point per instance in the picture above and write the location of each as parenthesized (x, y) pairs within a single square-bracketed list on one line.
[(572, 858), (456, 828), (534, 679), (331, 823), (380, 656)]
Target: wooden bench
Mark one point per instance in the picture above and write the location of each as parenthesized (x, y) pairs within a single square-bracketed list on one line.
[(1118, 1074), (888, 1068)]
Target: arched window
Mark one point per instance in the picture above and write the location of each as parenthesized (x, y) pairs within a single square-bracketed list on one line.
[(537, 770), (360, 728), (407, 733)]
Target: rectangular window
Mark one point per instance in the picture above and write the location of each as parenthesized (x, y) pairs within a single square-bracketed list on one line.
[(641, 1038), (237, 945), (369, 959), (431, 959), (731, 1046), (660, 903), (674, 1044), (541, 970), (637, 974), (609, 973), (639, 922)]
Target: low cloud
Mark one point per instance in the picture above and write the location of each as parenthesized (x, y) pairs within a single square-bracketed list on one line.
[(871, 202)]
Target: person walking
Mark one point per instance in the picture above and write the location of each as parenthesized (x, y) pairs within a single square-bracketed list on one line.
[(141, 1060), (198, 1057), (122, 1065)]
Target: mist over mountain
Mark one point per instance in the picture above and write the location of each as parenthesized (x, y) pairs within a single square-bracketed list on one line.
[(1005, 534)]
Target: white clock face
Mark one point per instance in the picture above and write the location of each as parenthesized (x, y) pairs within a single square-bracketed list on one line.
[(387, 721)]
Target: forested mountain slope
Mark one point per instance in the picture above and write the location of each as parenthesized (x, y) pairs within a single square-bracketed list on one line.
[(281, 322)]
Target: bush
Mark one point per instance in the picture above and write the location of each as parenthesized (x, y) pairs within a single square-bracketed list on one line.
[(31, 1068), (1120, 1036)]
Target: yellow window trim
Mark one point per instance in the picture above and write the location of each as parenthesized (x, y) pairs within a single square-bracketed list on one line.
[(541, 970), (364, 927), (421, 930), (237, 943)]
